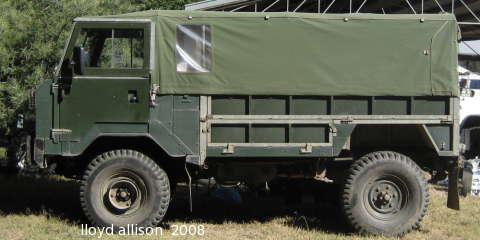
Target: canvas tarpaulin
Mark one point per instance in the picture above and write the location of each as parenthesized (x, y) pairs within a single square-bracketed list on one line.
[(311, 54)]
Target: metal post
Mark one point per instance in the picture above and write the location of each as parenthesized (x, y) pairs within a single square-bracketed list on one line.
[(440, 6), (411, 7), (453, 6), (469, 23), (189, 187), (470, 10), (238, 8), (326, 9), (300, 5), (288, 5), (271, 5), (350, 9), (319, 6), (422, 7), (361, 5)]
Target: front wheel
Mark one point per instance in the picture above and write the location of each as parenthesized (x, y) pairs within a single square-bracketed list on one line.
[(124, 188), (385, 193)]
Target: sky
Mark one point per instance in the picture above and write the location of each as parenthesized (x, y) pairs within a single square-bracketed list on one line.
[(464, 49)]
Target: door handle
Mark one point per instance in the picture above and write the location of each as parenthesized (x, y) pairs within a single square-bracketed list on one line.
[(132, 96)]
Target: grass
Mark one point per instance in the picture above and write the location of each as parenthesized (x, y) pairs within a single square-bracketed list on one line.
[(3, 155), (38, 208)]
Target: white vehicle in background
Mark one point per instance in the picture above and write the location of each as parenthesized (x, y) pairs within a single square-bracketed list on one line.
[(470, 126), (470, 111)]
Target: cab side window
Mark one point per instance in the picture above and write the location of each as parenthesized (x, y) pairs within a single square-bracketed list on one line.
[(113, 48)]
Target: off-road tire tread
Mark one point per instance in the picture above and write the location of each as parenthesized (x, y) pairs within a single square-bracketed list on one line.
[(365, 162), (163, 183)]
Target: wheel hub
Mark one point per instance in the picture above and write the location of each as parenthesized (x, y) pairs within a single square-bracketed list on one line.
[(123, 194), (385, 197)]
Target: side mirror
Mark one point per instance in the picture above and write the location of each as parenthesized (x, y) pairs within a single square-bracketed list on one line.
[(20, 121), (79, 60)]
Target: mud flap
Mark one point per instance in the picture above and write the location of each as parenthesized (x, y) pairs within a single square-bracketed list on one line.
[(453, 201)]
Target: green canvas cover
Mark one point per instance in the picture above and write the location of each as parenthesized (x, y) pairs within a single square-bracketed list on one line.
[(312, 54)]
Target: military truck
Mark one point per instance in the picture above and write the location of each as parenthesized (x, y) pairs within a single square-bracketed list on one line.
[(146, 100)]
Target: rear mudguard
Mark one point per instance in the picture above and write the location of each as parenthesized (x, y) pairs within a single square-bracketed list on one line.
[(453, 201)]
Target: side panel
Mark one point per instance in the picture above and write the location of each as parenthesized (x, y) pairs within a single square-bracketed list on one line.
[(318, 126), (104, 102)]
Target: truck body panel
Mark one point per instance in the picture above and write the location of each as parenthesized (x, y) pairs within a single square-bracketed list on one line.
[(146, 100), (231, 111)]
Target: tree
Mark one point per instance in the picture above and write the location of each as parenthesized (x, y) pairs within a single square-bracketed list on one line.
[(32, 37)]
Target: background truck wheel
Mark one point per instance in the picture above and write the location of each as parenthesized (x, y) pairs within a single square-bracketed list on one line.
[(124, 187), (18, 152), (467, 175), (385, 193)]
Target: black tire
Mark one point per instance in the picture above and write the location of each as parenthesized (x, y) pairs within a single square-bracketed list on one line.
[(123, 188), (467, 179), (385, 193), (18, 153)]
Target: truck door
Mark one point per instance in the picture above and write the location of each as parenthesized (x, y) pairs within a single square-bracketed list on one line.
[(111, 93)]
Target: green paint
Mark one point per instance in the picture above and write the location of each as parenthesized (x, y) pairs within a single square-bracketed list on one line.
[(291, 64)]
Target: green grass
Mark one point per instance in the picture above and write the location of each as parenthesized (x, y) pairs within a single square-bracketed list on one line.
[(37, 208)]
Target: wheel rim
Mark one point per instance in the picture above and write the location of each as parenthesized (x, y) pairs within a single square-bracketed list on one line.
[(20, 156), (124, 193), (386, 197)]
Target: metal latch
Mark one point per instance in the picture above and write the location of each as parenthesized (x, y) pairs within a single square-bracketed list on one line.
[(446, 121), (54, 87), (230, 149), (206, 118), (307, 148), (56, 132), (347, 120), (206, 129), (333, 130), (153, 94)]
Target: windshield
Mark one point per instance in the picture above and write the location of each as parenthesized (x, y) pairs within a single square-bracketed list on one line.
[(474, 84)]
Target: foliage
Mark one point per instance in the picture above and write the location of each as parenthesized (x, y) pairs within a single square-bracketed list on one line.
[(32, 37)]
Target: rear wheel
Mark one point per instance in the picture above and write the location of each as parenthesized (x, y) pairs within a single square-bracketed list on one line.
[(385, 193), (124, 188)]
